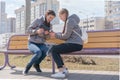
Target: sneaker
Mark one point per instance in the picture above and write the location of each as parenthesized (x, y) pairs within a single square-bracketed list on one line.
[(37, 67), (25, 72), (58, 75), (66, 71)]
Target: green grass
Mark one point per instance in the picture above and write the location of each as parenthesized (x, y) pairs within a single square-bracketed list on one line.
[(102, 64)]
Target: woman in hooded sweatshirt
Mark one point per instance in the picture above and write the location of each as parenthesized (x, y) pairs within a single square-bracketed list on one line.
[(38, 32), (72, 41)]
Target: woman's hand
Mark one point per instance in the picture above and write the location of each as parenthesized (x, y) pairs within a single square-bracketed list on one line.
[(52, 35), (39, 31), (46, 32)]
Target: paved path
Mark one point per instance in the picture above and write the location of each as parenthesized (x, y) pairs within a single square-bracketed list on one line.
[(16, 73)]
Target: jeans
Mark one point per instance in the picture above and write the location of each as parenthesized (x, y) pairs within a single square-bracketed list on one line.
[(63, 49), (39, 53)]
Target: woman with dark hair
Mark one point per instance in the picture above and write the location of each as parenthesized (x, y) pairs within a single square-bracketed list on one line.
[(72, 41), (38, 33)]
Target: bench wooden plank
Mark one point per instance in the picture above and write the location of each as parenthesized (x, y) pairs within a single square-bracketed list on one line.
[(56, 41), (20, 47), (104, 39), (19, 38), (98, 34), (25, 42), (102, 45)]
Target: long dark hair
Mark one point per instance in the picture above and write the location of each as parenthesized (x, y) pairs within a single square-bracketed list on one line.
[(64, 11), (49, 12)]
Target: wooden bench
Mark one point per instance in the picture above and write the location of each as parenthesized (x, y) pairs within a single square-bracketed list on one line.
[(100, 43)]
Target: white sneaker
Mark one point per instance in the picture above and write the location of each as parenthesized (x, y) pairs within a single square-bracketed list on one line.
[(66, 71), (24, 73), (58, 75)]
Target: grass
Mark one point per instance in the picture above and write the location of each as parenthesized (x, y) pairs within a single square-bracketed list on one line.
[(102, 64)]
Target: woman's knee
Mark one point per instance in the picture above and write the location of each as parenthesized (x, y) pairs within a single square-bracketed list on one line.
[(54, 50), (38, 53)]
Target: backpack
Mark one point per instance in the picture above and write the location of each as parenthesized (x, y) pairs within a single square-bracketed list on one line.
[(84, 35)]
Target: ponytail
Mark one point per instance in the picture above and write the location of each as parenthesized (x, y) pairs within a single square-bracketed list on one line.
[(64, 25)]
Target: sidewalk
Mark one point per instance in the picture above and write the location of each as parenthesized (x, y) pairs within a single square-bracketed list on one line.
[(16, 73)]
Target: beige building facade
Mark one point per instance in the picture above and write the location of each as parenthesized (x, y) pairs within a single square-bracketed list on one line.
[(93, 23), (112, 10)]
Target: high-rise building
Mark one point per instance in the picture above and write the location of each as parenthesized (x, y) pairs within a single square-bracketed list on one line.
[(3, 18), (11, 22), (38, 8), (93, 23), (112, 9)]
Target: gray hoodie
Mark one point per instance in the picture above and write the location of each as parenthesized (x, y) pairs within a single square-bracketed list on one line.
[(69, 36), (33, 37)]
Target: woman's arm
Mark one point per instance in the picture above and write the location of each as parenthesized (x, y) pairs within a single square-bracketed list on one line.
[(32, 29), (68, 30)]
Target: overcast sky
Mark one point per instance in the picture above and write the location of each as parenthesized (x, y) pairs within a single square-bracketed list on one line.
[(87, 7)]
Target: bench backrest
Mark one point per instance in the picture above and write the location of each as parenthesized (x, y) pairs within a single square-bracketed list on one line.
[(18, 42), (97, 39), (100, 39)]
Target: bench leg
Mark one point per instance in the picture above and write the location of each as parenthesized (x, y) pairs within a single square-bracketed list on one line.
[(53, 66), (7, 58), (5, 62)]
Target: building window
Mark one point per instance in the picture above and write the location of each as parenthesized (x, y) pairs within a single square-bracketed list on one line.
[(85, 22), (91, 25), (91, 21), (110, 11)]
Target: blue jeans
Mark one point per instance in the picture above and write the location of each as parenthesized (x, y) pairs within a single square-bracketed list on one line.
[(39, 53)]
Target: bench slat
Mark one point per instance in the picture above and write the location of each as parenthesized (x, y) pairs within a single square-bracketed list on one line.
[(98, 34), (16, 38), (104, 39), (19, 42), (102, 45), (57, 41), (19, 47)]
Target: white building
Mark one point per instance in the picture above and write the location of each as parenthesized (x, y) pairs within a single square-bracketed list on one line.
[(112, 9), (93, 23), (3, 18), (11, 23), (38, 8)]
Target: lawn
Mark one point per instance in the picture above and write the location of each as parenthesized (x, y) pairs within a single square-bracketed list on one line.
[(72, 62)]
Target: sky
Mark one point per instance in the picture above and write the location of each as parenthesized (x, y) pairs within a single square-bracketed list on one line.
[(82, 8)]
